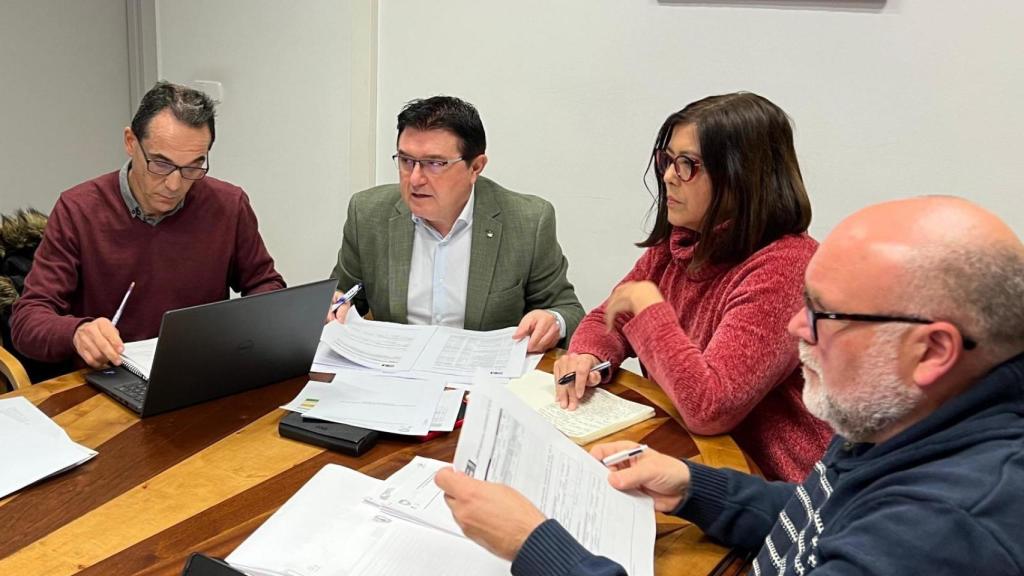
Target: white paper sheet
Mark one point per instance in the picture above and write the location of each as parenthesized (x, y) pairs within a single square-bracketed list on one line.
[(33, 446), (327, 360), (379, 345), (326, 529), (447, 411), (467, 352), (309, 396), (413, 350), (411, 494), (323, 530), (531, 363), (406, 548), (503, 440), (396, 405), (139, 356)]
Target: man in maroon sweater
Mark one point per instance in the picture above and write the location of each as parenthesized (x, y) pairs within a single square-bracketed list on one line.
[(184, 239)]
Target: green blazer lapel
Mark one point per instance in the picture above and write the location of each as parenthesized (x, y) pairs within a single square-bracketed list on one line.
[(400, 235), (483, 252)]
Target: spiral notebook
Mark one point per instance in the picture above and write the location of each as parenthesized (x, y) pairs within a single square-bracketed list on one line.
[(137, 357)]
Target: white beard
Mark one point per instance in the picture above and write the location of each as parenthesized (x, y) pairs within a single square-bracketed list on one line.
[(877, 399)]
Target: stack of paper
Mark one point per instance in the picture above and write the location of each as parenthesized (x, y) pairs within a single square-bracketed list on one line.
[(411, 494), (345, 523), (420, 351), (396, 405), (598, 414), (33, 446), (327, 529), (404, 379)]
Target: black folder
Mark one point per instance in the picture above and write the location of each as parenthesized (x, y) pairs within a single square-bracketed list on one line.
[(332, 435)]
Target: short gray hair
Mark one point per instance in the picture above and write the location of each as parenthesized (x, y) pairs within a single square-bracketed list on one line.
[(980, 289)]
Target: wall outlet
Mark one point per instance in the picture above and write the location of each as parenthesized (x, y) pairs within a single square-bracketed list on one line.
[(212, 88)]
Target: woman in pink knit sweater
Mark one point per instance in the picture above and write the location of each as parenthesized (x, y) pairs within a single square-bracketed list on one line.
[(705, 308)]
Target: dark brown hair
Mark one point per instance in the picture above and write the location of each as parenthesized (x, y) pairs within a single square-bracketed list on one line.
[(447, 113), (189, 106), (746, 145)]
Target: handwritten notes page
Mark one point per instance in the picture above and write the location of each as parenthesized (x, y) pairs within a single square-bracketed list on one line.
[(599, 414)]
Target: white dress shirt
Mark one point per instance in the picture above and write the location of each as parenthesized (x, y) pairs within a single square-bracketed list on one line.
[(439, 271)]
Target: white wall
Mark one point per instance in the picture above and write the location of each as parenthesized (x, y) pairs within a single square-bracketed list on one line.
[(64, 96), (283, 128), (914, 97), (918, 96)]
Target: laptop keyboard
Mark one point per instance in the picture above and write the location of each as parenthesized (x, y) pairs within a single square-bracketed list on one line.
[(135, 390)]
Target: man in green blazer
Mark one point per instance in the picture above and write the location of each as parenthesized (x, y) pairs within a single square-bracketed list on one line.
[(447, 246)]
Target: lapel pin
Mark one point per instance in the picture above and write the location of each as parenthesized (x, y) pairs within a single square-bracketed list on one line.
[(490, 234)]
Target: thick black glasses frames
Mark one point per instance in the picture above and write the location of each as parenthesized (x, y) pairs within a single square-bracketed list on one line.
[(813, 316)]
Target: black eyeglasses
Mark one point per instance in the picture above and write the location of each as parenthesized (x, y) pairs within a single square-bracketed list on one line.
[(164, 168), (686, 167), (432, 166), (813, 316)]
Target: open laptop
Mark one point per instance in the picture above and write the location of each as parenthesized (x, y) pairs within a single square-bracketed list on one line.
[(213, 350)]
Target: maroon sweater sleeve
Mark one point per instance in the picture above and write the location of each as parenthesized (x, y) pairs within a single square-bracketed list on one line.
[(41, 327), (253, 271), (750, 353)]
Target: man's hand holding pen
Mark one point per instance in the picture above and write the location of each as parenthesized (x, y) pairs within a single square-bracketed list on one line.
[(341, 303)]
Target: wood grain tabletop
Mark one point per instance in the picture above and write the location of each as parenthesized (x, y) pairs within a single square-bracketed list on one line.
[(204, 477)]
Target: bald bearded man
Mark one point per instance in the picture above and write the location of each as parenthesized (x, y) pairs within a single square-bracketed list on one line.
[(911, 338)]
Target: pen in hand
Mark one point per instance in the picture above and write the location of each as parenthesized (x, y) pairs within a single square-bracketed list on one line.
[(347, 296), (120, 309), (620, 457), (571, 376)]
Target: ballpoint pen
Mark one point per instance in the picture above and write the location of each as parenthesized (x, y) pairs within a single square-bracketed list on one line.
[(120, 309), (571, 376), (620, 457), (347, 296)]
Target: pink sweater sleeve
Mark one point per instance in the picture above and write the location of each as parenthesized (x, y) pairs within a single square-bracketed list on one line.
[(748, 355), (591, 336)]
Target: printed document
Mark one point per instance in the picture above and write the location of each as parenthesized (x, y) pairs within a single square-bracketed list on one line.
[(411, 494), (443, 420), (379, 345), (391, 347), (447, 412), (326, 529), (503, 440), (33, 446), (378, 402)]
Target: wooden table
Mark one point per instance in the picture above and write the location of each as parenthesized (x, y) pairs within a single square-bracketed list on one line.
[(203, 478)]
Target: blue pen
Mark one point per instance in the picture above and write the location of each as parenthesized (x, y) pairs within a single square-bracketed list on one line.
[(347, 296)]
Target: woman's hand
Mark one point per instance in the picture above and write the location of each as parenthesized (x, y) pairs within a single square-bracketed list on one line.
[(568, 395), (630, 298)]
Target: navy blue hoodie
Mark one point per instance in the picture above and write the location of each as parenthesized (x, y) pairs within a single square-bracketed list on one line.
[(945, 496)]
